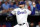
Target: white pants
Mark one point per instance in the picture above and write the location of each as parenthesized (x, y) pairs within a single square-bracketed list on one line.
[(25, 25)]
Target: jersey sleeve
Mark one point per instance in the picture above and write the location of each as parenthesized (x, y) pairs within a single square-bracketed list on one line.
[(29, 12), (13, 12)]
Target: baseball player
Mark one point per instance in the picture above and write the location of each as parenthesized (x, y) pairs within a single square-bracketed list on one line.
[(21, 16)]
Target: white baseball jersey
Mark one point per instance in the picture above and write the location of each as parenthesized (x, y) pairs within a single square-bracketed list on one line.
[(21, 15)]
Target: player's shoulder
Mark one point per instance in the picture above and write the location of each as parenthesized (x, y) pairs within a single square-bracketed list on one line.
[(16, 9), (26, 9)]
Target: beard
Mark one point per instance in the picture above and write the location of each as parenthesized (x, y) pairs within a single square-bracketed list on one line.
[(20, 7)]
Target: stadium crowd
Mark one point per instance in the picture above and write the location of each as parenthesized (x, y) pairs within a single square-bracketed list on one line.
[(7, 5)]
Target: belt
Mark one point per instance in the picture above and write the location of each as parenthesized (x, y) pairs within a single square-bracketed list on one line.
[(21, 24)]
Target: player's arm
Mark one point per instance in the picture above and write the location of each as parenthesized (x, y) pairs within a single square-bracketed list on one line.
[(13, 11), (29, 12)]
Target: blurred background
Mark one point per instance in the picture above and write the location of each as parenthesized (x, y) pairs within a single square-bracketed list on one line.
[(9, 20)]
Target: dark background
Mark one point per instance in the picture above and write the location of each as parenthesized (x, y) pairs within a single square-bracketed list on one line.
[(13, 21)]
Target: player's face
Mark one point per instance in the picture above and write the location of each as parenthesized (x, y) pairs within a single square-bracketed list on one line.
[(22, 6)]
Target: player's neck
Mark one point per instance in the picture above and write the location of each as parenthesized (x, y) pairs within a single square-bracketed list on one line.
[(22, 7)]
